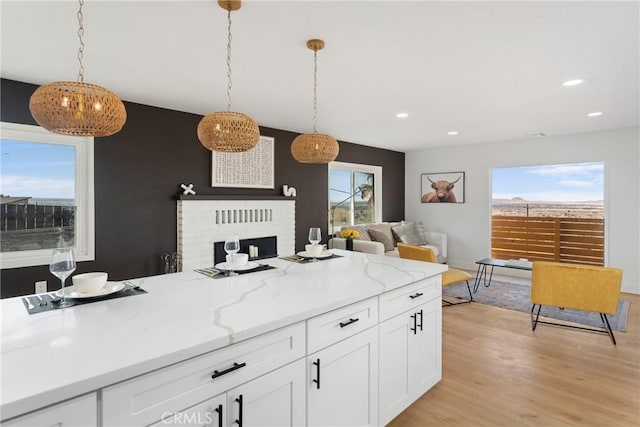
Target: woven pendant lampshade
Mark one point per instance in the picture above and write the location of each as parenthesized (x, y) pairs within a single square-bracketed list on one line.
[(78, 108), (227, 131), (315, 147)]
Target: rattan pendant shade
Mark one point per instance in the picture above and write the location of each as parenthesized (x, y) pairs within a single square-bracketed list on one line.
[(229, 132), (78, 109), (226, 131), (315, 147)]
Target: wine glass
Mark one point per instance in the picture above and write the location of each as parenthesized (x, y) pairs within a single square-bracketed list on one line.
[(63, 263), (314, 238), (231, 247)]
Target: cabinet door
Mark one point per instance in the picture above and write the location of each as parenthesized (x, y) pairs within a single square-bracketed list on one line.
[(342, 382), (425, 349), (274, 399), (210, 413), (79, 412), (395, 378), (410, 357)]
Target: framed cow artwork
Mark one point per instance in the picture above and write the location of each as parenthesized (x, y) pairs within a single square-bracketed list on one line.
[(442, 187)]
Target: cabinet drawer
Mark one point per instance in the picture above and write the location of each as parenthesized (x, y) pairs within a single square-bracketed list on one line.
[(144, 399), (399, 300), (342, 323), (81, 411)]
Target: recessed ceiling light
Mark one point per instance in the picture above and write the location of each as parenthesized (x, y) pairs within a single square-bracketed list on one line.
[(574, 82), (453, 132), (402, 115), (595, 114), (537, 135)]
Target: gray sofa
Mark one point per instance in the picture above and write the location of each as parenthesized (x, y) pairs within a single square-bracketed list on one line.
[(382, 238)]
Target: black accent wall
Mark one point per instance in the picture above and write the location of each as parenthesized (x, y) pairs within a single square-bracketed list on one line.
[(138, 173)]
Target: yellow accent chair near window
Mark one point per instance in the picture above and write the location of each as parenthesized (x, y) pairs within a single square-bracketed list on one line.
[(578, 287), (449, 277)]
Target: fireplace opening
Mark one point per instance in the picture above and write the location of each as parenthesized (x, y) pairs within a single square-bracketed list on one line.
[(267, 248)]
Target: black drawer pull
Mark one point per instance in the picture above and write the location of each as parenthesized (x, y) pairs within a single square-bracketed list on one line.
[(235, 366), (343, 324), (419, 294), (317, 380)]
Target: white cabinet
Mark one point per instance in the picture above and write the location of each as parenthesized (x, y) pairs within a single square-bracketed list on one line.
[(410, 357), (274, 399), (79, 412), (211, 413), (342, 382), (336, 325), (149, 398)]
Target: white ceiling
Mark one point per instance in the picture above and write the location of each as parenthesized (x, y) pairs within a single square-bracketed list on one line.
[(490, 70)]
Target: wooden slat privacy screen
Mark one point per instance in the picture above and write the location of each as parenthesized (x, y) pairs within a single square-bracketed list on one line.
[(576, 240)]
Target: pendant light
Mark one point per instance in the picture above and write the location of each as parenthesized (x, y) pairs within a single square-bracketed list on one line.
[(315, 147), (78, 108), (226, 131)]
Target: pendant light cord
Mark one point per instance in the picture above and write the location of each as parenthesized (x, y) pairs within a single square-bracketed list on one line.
[(81, 48), (315, 90), (229, 60)]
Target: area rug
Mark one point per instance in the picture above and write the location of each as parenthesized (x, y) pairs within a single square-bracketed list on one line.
[(514, 296)]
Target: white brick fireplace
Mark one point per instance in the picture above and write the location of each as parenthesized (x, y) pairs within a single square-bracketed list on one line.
[(202, 222)]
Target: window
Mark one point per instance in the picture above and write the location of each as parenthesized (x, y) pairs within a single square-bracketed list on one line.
[(355, 194), (549, 213), (46, 186)]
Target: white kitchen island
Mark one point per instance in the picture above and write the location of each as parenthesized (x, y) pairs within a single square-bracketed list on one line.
[(194, 349)]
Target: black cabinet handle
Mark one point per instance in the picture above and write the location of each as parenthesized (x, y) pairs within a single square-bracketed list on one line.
[(415, 327), (420, 325), (239, 420), (219, 411), (317, 380), (419, 294), (343, 324), (235, 366)]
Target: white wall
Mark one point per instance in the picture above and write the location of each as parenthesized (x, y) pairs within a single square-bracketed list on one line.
[(468, 225)]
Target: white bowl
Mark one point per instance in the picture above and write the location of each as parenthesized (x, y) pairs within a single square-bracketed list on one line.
[(314, 250), (238, 260), (89, 282)]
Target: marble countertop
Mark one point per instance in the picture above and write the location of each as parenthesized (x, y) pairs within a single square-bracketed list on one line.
[(52, 356)]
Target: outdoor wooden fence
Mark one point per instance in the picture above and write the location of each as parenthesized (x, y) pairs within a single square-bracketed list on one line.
[(31, 217), (575, 240)]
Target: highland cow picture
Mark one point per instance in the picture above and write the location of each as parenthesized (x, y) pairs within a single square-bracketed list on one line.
[(442, 187)]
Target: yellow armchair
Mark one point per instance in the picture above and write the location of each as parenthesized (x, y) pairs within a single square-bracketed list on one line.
[(575, 286), (449, 277)]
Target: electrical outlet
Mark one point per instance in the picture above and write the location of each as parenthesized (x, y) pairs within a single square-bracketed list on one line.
[(41, 287)]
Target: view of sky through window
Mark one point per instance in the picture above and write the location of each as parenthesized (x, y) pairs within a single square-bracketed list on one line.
[(341, 182), (573, 182), (37, 170)]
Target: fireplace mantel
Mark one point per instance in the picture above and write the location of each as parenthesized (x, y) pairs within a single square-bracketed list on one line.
[(231, 197)]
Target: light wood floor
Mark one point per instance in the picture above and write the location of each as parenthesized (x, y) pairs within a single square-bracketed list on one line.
[(497, 372)]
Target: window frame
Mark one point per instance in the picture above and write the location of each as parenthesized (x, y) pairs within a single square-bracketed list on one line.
[(84, 233), (356, 167)]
